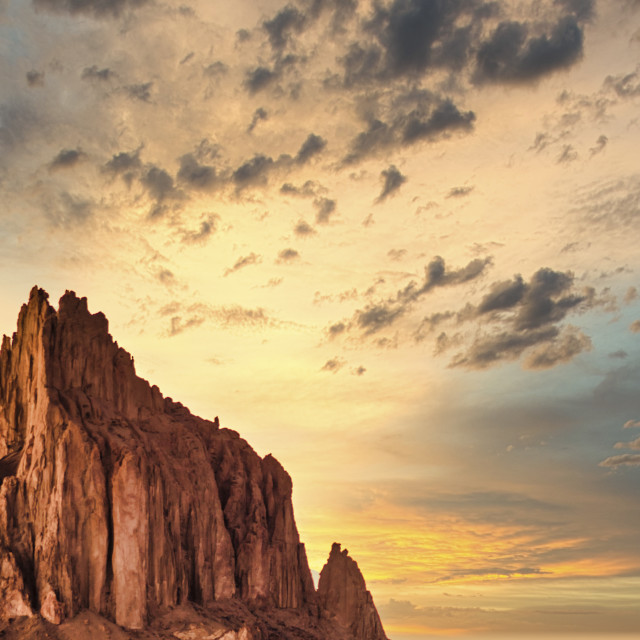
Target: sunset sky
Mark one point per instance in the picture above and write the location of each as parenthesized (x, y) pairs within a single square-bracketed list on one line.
[(393, 243)]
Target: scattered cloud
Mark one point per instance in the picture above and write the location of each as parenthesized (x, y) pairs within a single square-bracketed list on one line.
[(287, 256), (384, 313), (626, 459), (97, 8), (392, 180), (140, 91), (310, 147), (513, 55), (568, 154), (95, 73), (396, 254), (208, 227), (66, 159), (325, 208), (35, 78), (333, 365), (196, 175), (303, 229), (459, 192), (242, 262), (601, 143), (259, 115)]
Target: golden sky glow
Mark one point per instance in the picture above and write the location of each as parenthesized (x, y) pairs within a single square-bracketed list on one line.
[(394, 244)]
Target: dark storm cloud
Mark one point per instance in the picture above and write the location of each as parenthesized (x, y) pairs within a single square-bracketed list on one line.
[(511, 55), (95, 73), (160, 187), (97, 8), (35, 78), (258, 115), (286, 22), (375, 317), (260, 78), (431, 119), (242, 262), (253, 172), (66, 159), (313, 145), (526, 316), (410, 38), (545, 299), (158, 182), (361, 64), (196, 175), (127, 165), (408, 30), (514, 318), (325, 208), (392, 180)]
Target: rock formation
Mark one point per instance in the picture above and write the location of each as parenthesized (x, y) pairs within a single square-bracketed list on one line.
[(116, 500), (342, 592)]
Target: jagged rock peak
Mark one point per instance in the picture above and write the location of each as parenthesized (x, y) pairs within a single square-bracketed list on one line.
[(342, 592), (117, 500)]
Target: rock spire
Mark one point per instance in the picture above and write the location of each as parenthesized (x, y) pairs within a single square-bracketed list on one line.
[(342, 592)]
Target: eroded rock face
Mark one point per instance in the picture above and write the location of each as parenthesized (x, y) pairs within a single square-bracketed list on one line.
[(342, 592), (117, 500)]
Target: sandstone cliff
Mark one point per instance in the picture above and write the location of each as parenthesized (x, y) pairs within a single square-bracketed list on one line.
[(116, 500), (343, 594)]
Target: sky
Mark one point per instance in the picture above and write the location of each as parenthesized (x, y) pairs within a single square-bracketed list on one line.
[(393, 243)]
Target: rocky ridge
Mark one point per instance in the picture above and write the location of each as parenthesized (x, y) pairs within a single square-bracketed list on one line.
[(117, 501)]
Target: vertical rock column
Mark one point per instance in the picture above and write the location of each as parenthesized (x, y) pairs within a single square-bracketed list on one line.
[(130, 542), (343, 594)]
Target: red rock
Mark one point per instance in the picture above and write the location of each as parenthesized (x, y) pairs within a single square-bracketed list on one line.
[(342, 592), (117, 500)]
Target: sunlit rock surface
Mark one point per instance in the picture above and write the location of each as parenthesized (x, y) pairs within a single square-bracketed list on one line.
[(118, 504)]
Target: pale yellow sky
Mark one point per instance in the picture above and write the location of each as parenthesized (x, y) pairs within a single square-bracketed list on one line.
[(395, 247)]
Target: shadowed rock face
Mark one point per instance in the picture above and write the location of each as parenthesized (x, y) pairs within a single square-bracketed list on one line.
[(343, 594), (118, 501)]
